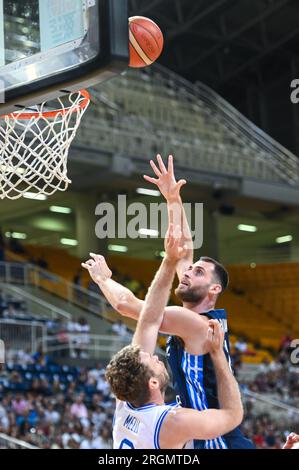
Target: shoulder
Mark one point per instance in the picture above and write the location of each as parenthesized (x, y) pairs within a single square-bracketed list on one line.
[(172, 433)]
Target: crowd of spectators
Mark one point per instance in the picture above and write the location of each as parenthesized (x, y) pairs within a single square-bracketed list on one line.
[(64, 407), (71, 338), (264, 431), (278, 379), (52, 406), (12, 307)]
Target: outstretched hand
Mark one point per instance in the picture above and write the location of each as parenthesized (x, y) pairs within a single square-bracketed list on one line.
[(97, 268), (165, 181)]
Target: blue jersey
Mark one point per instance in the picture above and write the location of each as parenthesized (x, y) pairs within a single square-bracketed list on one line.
[(194, 381)]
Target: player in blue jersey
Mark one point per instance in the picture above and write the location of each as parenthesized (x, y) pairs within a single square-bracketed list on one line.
[(201, 284), (138, 379)]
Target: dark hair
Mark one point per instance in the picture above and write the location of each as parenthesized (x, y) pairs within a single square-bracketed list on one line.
[(128, 377), (219, 271)]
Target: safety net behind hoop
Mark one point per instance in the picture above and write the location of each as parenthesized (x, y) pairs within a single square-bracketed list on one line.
[(34, 146)]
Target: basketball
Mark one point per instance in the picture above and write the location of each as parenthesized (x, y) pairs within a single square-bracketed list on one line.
[(146, 41)]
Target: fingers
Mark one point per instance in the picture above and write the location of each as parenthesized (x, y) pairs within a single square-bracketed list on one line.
[(96, 257), (183, 250), (151, 180), (155, 169), (217, 329), (210, 334), (170, 165), (161, 165), (293, 437), (181, 183), (85, 266), (91, 262)]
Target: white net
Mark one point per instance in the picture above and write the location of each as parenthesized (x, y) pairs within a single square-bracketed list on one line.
[(34, 147)]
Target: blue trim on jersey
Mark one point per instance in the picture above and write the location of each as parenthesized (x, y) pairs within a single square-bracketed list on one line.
[(141, 408), (158, 428), (192, 366), (185, 388)]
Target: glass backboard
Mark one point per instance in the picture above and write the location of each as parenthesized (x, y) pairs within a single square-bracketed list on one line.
[(49, 47)]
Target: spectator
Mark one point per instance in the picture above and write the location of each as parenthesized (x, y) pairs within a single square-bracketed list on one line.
[(10, 312), (24, 358), (40, 357), (15, 245), (51, 415), (87, 440), (120, 328), (83, 337), (97, 372), (19, 405), (241, 345), (77, 281), (42, 263), (285, 342), (78, 408)]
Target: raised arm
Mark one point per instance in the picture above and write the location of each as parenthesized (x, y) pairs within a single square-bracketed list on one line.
[(119, 297), (170, 189), (152, 312), (177, 320), (209, 424)]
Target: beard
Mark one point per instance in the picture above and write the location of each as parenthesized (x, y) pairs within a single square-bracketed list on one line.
[(193, 295), (164, 381)]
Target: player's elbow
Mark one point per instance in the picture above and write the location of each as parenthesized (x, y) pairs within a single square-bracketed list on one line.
[(236, 416), (231, 418), (240, 415)]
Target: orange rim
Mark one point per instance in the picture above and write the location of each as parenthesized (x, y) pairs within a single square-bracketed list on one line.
[(52, 114)]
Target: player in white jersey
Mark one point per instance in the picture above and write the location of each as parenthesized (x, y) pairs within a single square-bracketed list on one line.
[(139, 379), (139, 428)]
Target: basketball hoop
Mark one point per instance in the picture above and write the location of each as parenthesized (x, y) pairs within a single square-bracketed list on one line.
[(34, 146)]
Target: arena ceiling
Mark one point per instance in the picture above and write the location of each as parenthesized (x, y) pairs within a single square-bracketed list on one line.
[(247, 50)]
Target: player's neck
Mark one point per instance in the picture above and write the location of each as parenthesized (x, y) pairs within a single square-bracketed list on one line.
[(206, 305), (157, 398)]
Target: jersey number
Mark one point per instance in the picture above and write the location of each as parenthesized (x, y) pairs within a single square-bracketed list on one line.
[(126, 444)]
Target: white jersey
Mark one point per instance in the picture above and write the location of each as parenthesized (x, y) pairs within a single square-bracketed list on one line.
[(138, 428)]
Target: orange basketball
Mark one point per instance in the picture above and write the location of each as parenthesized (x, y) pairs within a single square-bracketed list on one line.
[(146, 41)]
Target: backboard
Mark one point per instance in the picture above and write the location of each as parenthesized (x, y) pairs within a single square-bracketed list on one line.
[(52, 47)]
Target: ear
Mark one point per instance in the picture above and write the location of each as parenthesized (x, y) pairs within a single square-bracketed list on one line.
[(153, 383), (215, 289)]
